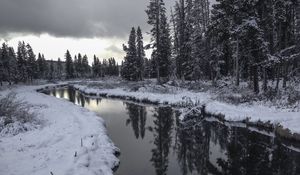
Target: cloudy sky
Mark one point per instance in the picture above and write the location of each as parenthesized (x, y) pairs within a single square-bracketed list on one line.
[(87, 26)]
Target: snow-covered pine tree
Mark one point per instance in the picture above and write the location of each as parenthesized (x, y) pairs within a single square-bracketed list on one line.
[(179, 27), (199, 38), (42, 66), (22, 61), (79, 66), (51, 70), (184, 20), (3, 57), (59, 69), (85, 66), (220, 35), (69, 65), (32, 69), (12, 65), (76, 67), (94, 67), (104, 67), (130, 66), (8, 69), (165, 53), (7, 64), (140, 53), (161, 41)]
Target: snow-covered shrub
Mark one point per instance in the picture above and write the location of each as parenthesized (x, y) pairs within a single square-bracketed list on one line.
[(15, 115)]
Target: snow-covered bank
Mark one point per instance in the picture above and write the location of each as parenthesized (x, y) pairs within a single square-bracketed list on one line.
[(287, 118), (71, 140)]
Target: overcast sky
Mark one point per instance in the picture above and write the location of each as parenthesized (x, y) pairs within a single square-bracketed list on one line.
[(87, 26)]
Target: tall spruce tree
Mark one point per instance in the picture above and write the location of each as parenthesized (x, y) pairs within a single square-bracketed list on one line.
[(69, 65), (51, 70), (140, 54), (161, 41), (59, 72), (3, 57), (32, 68), (85, 66), (130, 67), (22, 61), (184, 23)]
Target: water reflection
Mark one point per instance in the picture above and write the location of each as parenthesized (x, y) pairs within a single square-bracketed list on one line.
[(137, 117), (154, 141), (163, 126)]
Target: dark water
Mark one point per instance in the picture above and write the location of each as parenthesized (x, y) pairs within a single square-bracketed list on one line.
[(153, 141)]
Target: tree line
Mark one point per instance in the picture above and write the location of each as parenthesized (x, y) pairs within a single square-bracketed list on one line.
[(25, 66), (251, 41), (21, 66)]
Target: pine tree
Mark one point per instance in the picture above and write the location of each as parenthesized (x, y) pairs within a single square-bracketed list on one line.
[(94, 67), (161, 42), (11, 68), (59, 69), (31, 64), (200, 39), (3, 58), (165, 53), (42, 66), (51, 70), (69, 65), (104, 67), (76, 67), (130, 66), (22, 61), (140, 54), (184, 24), (85, 66)]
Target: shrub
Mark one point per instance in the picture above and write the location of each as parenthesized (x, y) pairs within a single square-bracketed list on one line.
[(15, 115)]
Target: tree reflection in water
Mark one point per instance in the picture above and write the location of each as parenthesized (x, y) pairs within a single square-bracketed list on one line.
[(163, 126), (61, 93), (247, 152), (192, 145), (137, 117)]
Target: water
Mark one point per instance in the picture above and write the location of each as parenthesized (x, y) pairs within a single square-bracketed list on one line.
[(153, 141)]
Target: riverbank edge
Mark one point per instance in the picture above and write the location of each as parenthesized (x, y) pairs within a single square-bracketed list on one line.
[(277, 128), (112, 151)]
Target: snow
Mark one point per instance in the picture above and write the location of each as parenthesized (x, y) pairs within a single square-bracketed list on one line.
[(70, 141), (288, 118)]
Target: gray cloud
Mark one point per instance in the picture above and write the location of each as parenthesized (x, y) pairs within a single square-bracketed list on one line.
[(73, 18)]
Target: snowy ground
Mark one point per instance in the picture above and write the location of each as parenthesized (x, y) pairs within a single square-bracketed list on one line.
[(288, 118), (70, 141)]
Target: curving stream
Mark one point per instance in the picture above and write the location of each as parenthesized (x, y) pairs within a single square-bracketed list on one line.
[(153, 141)]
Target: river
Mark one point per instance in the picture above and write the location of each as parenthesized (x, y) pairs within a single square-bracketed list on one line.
[(153, 140)]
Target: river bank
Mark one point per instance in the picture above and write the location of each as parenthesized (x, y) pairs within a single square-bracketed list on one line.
[(69, 140)]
